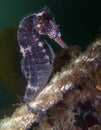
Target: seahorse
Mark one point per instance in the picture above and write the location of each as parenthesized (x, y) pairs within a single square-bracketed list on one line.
[(37, 54)]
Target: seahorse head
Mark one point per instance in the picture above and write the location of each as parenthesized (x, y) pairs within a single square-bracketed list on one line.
[(44, 24)]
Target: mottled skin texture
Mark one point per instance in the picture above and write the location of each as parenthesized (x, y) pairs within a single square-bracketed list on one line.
[(38, 57)]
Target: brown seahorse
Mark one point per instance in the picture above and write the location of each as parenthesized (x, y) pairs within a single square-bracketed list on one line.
[(38, 56)]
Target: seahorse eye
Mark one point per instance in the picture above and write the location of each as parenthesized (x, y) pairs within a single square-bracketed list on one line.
[(40, 28), (39, 25)]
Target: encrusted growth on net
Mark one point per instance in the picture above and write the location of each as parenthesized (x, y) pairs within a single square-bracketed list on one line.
[(70, 89)]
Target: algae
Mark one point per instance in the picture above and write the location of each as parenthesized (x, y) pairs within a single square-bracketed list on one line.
[(10, 72)]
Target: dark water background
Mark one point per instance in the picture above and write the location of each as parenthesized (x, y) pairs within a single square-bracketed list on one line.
[(80, 23)]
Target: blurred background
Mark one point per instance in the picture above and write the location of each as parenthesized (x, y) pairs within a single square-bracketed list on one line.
[(80, 24)]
